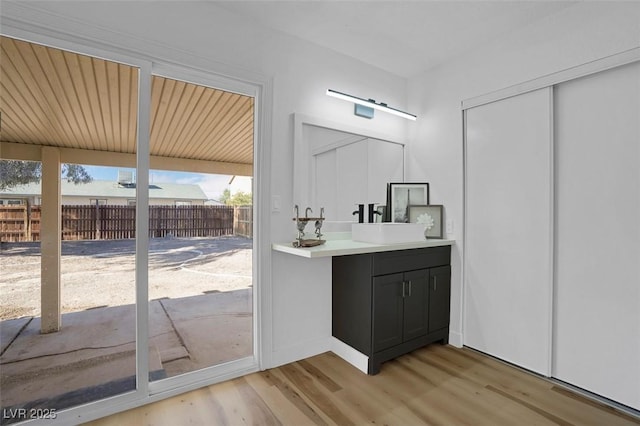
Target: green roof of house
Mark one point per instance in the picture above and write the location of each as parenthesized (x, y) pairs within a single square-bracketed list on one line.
[(111, 189)]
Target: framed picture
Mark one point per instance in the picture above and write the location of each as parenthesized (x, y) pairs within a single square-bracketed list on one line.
[(401, 195), (430, 216)]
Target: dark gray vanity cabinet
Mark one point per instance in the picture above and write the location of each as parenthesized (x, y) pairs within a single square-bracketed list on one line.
[(390, 303), (400, 309)]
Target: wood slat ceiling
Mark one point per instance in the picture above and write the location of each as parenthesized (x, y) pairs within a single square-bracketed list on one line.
[(58, 98)]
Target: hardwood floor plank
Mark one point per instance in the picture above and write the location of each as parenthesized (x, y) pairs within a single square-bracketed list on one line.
[(293, 396), (305, 383), (260, 412), (531, 407), (470, 399), (530, 388), (189, 408), (319, 375), (367, 396), (598, 405), (435, 385), (537, 391), (282, 407), (513, 382), (218, 415)]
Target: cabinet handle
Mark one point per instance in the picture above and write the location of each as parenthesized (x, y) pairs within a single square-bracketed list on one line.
[(435, 283), (403, 288), (409, 288)]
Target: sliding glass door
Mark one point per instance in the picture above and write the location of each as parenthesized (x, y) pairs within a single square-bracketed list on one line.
[(200, 216), (130, 255)]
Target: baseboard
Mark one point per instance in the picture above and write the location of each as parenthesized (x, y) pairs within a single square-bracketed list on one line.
[(315, 347), (352, 356), (455, 339)]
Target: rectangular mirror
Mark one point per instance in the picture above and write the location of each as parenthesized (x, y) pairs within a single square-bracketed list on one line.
[(337, 167)]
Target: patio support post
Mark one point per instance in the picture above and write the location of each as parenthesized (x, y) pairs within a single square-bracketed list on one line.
[(50, 241)]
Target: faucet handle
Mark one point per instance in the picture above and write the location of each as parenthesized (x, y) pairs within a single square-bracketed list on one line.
[(360, 213), (373, 211)]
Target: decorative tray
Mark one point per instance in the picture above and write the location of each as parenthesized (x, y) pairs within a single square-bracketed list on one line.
[(308, 243)]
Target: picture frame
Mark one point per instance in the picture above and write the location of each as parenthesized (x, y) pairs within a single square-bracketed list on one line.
[(434, 216), (401, 195)]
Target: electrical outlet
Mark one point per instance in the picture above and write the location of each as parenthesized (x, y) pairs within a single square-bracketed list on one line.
[(449, 227)]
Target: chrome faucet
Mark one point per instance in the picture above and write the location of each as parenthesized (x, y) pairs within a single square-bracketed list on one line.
[(301, 222), (319, 223)]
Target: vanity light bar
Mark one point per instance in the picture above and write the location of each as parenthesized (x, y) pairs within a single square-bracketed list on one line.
[(371, 104)]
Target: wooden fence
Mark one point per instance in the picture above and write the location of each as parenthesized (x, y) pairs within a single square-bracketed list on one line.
[(88, 222), (190, 221), (17, 223), (243, 221)]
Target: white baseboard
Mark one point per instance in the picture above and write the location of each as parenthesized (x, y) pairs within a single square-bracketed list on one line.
[(352, 356), (315, 347), (455, 339)]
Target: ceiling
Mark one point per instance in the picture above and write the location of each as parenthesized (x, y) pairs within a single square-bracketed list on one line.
[(56, 98), (405, 38)]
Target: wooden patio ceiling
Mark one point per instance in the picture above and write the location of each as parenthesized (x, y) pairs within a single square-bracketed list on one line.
[(51, 97)]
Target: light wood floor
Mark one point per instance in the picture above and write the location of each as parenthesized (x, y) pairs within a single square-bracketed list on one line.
[(436, 385)]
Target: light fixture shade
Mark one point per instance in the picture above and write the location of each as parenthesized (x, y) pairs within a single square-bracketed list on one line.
[(371, 104), (363, 111)]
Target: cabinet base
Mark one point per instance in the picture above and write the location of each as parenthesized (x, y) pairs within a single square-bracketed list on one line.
[(378, 358)]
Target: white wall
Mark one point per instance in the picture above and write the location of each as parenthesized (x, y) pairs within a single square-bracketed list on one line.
[(576, 35), (202, 33)]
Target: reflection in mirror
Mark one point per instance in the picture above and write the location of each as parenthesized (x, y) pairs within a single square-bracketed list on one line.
[(338, 168)]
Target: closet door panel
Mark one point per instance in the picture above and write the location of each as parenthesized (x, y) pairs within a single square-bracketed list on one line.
[(597, 300), (508, 229)]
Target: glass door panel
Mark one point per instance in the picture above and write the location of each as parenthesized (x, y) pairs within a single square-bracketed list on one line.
[(200, 228), (68, 285)]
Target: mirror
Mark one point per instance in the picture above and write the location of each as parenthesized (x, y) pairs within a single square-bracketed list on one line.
[(337, 168)]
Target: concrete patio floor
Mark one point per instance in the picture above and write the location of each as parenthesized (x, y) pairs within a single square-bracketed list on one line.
[(93, 356)]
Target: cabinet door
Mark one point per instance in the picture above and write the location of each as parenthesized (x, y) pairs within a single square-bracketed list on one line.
[(439, 297), (387, 311), (416, 302)]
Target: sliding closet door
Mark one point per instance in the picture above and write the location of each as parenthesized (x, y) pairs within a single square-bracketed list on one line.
[(508, 229), (597, 311)]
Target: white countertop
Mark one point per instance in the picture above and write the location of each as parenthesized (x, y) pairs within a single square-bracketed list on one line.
[(342, 247)]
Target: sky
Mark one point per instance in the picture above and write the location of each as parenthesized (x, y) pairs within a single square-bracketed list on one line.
[(212, 185)]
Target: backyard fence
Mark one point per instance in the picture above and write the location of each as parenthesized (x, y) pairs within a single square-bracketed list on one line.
[(243, 221), (91, 222)]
